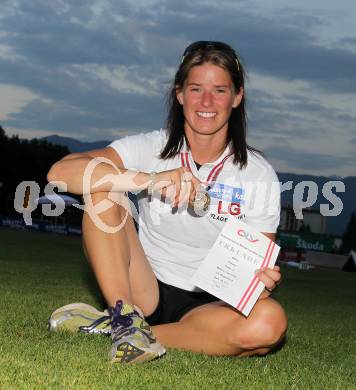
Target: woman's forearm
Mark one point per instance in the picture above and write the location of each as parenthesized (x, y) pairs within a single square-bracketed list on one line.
[(85, 175)]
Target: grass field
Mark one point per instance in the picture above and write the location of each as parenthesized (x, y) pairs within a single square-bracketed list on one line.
[(40, 272)]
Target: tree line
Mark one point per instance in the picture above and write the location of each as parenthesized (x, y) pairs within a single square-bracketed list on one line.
[(21, 160)]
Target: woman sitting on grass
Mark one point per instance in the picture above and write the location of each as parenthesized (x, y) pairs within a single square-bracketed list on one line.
[(145, 277)]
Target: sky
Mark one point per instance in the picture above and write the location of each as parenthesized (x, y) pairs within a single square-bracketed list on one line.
[(100, 70)]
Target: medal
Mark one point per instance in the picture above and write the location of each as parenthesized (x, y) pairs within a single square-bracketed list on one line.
[(201, 201)]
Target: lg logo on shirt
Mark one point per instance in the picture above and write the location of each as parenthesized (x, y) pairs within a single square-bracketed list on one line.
[(245, 234), (230, 208)]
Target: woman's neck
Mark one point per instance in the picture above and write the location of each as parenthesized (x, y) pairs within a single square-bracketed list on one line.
[(206, 148)]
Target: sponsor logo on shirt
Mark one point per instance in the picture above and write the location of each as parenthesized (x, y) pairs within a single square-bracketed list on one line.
[(230, 201), (227, 193), (225, 209), (228, 208), (222, 218)]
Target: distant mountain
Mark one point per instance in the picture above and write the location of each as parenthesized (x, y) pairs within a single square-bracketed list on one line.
[(335, 225), (75, 145)]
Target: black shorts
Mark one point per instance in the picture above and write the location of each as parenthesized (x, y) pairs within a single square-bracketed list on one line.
[(174, 303)]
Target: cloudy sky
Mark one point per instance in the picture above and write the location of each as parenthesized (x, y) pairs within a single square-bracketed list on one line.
[(99, 69)]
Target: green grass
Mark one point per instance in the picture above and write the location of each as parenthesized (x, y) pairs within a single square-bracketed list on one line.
[(40, 272)]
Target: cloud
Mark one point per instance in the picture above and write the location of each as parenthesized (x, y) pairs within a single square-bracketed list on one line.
[(122, 33), (304, 161), (269, 44), (16, 99), (98, 67), (295, 110), (116, 112), (348, 43)]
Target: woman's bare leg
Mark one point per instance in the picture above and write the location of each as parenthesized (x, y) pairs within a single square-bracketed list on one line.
[(218, 329), (117, 259)]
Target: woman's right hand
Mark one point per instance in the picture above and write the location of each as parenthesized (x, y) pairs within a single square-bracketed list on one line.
[(179, 185)]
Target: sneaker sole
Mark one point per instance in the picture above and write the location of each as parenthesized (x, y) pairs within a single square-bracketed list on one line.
[(155, 352)]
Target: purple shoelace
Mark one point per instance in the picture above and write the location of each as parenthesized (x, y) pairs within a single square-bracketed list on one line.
[(118, 319)]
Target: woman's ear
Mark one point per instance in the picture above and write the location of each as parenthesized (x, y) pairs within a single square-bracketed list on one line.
[(238, 97), (179, 94)]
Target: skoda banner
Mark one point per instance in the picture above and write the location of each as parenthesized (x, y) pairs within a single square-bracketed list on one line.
[(303, 242)]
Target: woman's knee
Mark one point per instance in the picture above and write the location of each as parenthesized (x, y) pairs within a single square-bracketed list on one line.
[(108, 205), (265, 327)]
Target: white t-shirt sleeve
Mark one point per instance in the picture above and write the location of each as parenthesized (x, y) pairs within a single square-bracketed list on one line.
[(139, 151), (264, 201)]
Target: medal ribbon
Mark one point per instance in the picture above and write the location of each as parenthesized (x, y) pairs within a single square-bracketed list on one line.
[(214, 173), (184, 157)]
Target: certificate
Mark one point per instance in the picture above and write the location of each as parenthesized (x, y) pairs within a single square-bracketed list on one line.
[(228, 271)]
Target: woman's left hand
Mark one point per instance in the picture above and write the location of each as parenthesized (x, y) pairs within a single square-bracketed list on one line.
[(270, 278)]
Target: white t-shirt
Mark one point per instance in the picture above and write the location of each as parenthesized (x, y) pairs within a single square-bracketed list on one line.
[(176, 241)]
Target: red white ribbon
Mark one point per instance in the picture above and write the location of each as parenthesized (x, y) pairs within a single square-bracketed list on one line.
[(214, 173)]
